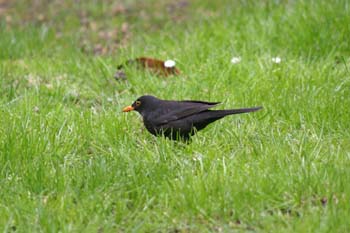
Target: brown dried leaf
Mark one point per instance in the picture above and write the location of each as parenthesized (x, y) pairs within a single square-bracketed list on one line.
[(154, 65)]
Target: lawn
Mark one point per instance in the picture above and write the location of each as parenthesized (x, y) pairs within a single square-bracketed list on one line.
[(71, 161)]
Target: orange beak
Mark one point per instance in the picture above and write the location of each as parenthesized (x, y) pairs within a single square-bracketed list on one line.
[(128, 109)]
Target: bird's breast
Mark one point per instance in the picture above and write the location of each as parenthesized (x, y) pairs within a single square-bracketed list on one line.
[(149, 126)]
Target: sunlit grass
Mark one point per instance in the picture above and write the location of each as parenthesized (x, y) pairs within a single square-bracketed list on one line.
[(71, 161)]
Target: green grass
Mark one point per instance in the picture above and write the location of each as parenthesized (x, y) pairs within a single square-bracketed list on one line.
[(70, 161)]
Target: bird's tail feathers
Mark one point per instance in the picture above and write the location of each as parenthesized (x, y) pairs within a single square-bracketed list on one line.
[(239, 111), (213, 115)]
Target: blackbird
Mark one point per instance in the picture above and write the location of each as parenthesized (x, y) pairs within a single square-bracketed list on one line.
[(178, 120)]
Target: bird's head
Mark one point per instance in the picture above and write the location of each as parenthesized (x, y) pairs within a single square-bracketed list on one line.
[(144, 102)]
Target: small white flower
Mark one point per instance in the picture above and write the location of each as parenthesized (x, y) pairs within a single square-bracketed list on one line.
[(93, 110), (235, 60), (197, 157), (276, 60), (49, 86), (36, 109), (169, 63)]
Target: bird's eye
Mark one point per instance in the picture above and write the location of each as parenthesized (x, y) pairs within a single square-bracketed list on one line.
[(138, 103)]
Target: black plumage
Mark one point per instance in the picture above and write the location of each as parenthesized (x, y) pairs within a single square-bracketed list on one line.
[(179, 119)]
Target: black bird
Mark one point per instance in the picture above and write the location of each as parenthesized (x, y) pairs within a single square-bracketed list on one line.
[(178, 119)]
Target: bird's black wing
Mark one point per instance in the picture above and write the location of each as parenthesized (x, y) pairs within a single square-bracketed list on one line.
[(182, 109)]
